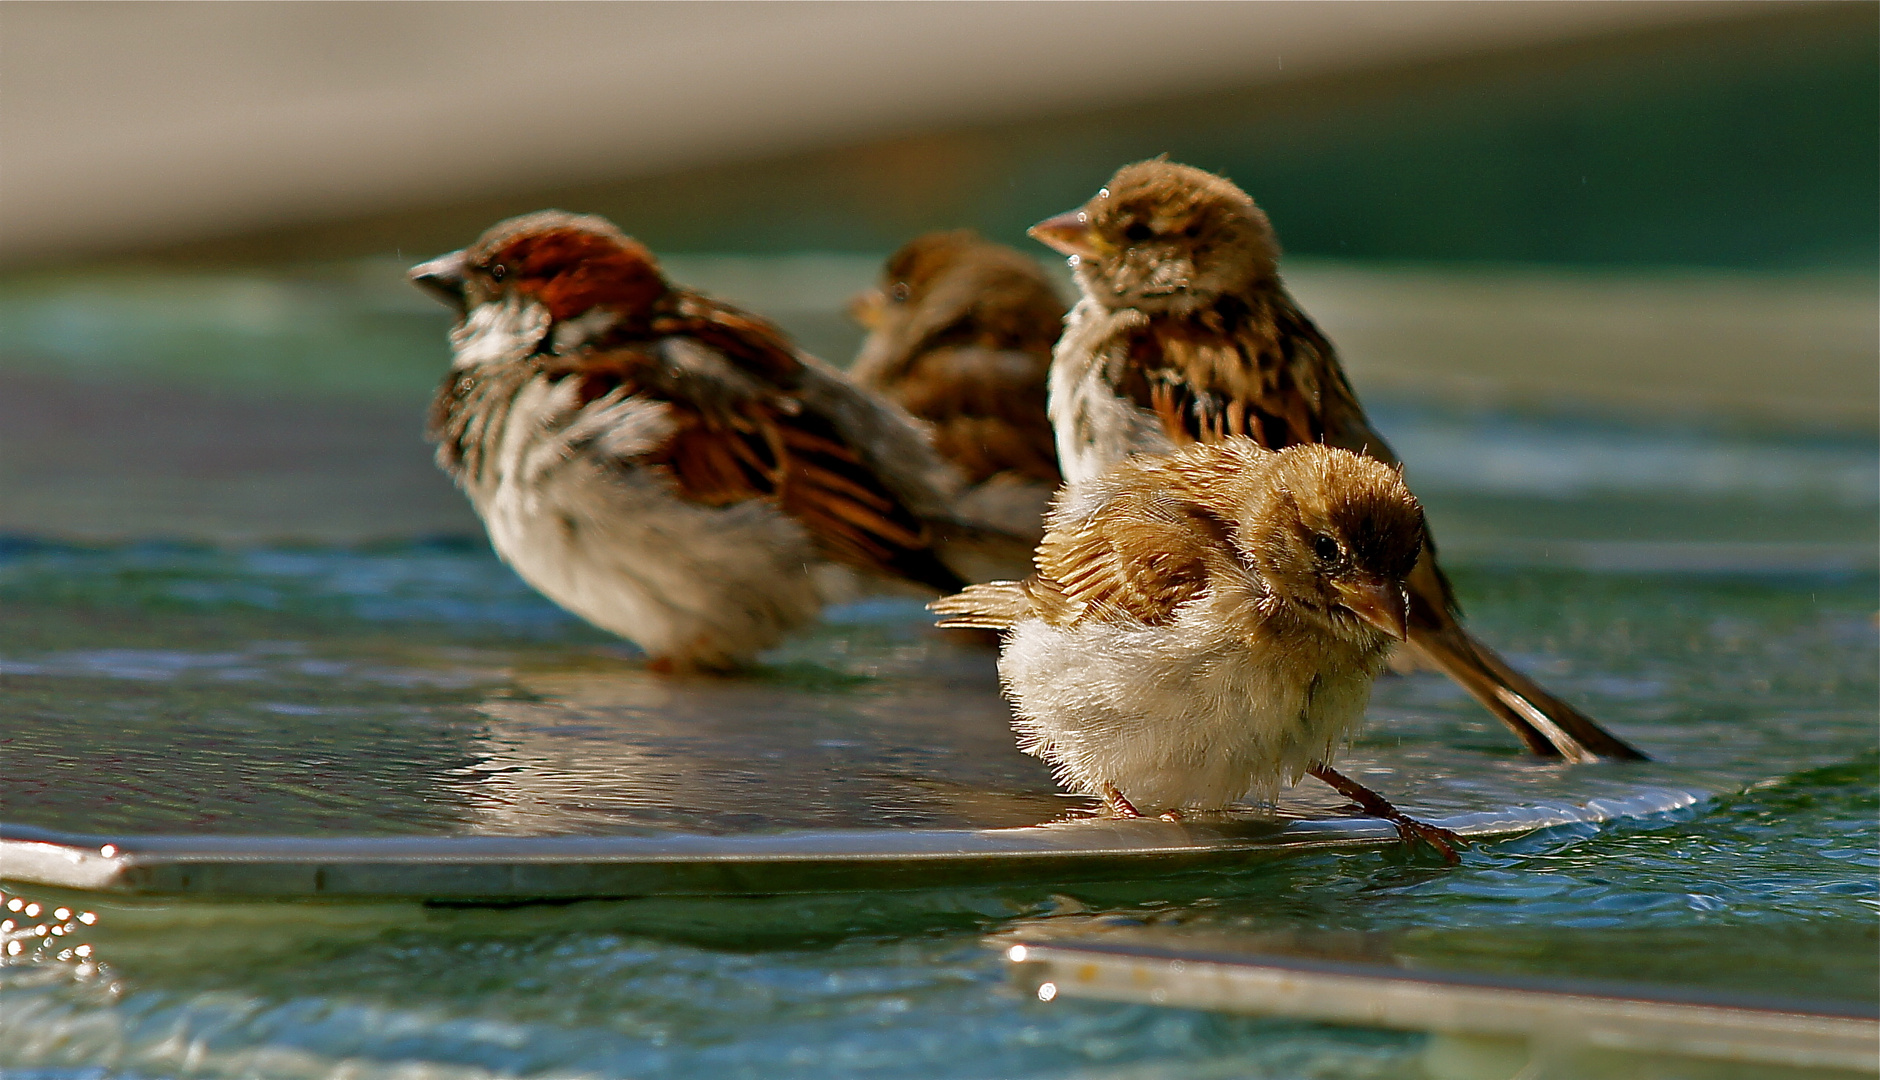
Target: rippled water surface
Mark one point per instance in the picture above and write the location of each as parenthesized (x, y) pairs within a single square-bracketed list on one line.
[(1707, 591), (420, 688)]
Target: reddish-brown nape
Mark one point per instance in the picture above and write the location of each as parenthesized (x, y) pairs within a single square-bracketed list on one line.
[(571, 263)]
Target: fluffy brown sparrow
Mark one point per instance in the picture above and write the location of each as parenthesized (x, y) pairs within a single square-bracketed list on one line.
[(960, 335), (1205, 626), (1186, 334), (663, 465)]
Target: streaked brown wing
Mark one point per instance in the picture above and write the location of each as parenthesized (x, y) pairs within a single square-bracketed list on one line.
[(986, 408), (748, 438), (754, 344), (1256, 367), (1139, 557)]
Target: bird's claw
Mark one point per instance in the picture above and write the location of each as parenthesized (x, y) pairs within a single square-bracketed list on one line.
[(1117, 805), (1371, 804), (1444, 841)]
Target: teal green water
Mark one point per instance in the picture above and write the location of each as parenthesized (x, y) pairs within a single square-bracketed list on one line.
[(1709, 592), (420, 688)]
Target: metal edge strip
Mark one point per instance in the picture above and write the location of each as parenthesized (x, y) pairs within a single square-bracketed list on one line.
[(472, 867)]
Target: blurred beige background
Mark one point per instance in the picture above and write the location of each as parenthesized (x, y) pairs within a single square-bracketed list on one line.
[(1659, 216), (132, 123)]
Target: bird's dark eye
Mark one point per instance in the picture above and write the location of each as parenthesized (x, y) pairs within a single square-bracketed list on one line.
[(1138, 232), (899, 292), (498, 272), (1325, 548), (1192, 231)]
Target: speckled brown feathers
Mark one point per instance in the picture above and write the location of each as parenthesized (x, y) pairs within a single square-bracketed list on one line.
[(1205, 626), (663, 464), (1186, 334), (739, 433), (960, 335), (1156, 532)]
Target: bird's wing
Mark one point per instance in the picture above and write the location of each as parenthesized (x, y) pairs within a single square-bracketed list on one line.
[(1136, 555), (741, 429), (985, 408), (1254, 366)]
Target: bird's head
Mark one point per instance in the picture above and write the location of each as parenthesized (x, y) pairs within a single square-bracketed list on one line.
[(955, 288), (909, 276), (1335, 533), (1164, 237), (568, 264)]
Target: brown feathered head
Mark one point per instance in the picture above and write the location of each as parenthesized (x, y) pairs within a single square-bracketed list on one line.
[(954, 289), (569, 263), (1334, 531), (1164, 237)]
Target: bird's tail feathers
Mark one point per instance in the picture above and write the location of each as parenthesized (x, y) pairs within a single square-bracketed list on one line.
[(995, 606), (1549, 726)]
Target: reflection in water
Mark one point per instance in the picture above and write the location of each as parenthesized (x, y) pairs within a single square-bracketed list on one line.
[(421, 689), (589, 751)]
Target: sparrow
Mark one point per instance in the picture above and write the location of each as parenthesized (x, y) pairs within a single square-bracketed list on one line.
[(1185, 334), (1205, 626), (960, 335), (663, 465)]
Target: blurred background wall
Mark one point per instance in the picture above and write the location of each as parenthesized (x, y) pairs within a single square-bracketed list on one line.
[(1635, 133), (1667, 212)]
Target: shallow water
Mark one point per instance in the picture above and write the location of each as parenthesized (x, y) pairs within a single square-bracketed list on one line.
[(1708, 591), (420, 688)]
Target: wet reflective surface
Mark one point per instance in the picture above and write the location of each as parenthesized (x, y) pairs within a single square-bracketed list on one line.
[(420, 689), (1708, 591)]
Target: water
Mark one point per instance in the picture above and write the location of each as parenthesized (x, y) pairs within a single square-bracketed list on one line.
[(420, 688), (1708, 591)]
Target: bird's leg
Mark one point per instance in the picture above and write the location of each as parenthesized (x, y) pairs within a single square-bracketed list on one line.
[(1115, 804), (1377, 806)]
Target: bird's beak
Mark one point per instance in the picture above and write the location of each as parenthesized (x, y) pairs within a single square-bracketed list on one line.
[(865, 308), (1383, 604), (1068, 233), (442, 277)]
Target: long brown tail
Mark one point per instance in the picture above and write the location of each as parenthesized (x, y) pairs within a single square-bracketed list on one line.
[(1547, 725)]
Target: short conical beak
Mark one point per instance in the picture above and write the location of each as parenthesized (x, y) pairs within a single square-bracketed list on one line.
[(865, 308), (442, 277), (1383, 604), (1069, 233)]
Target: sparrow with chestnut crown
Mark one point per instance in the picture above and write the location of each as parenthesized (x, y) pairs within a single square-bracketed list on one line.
[(661, 464)]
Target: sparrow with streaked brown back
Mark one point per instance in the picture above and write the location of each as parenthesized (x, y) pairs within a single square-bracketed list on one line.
[(1205, 627), (1186, 334), (960, 335), (663, 465)]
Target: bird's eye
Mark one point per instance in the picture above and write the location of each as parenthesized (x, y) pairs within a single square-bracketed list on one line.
[(899, 292), (1325, 548), (498, 272), (1192, 231), (1138, 232)]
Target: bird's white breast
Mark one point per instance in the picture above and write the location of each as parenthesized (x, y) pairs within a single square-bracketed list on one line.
[(1095, 427), (615, 544), (1193, 714)]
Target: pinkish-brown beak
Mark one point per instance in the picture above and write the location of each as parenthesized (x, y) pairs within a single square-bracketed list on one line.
[(1068, 233), (442, 277), (1383, 604), (865, 307)]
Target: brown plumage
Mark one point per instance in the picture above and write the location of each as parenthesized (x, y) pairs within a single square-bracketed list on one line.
[(661, 463), (960, 335), (1205, 625), (1186, 334)]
